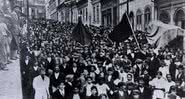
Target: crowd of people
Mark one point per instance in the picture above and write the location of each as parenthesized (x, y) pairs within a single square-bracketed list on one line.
[(54, 66), (10, 30)]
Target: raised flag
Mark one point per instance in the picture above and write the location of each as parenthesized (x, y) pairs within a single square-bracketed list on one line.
[(159, 34), (81, 34), (122, 31)]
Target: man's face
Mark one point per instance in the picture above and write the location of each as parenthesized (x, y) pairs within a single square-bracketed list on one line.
[(129, 78), (43, 72), (169, 78), (159, 76), (89, 80), (57, 69), (62, 86), (141, 83)]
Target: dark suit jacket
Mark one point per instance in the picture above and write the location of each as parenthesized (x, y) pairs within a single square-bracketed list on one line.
[(146, 94), (127, 95), (57, 95), (172, 70), (56, 82), (116, 95)]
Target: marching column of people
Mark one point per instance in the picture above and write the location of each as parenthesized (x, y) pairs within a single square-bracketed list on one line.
[(56, 67)]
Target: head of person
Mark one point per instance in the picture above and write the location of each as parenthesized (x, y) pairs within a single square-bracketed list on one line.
[(57, 69), (173, 90), (129, 77), (136, 94), (141, 82), (168, 77), (121, 86), (159, 74), (130, 86), (180, 68), (103, 96), (76, 90), (94, 91), (42, 71), (89, 80), (110, 71), (177, 83), (101, 81), (62, 86)]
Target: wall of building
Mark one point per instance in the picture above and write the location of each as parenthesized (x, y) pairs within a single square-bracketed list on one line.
[(96, 13), (172, 12), (137, 12)]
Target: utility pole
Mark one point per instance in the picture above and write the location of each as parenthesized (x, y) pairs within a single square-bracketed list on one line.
[(128, 7), (27, 20)]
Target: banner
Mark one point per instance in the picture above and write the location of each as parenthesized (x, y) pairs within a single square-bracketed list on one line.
[(122, 31), (160, 34)]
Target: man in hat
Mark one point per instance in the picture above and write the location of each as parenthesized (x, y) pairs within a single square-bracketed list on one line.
[(145, 90)]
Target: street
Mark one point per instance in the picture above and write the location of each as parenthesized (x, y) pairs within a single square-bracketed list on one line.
[(10, 82)]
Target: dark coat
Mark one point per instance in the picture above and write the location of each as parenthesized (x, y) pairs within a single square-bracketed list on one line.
[(146, 94), (56, 82), (57, 95)]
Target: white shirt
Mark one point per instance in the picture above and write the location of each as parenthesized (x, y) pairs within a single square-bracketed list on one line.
[(76, 96), (35, 68), (168, 85), (26, 61), (141, 89), (62, 92), (102, 89), (88, 89), (158, 83), (74, 69), (56, 75)]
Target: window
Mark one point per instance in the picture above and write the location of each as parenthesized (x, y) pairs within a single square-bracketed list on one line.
[(94, 18), (164, 17), (86, 14), (98, 13), (147, 16), (139, 17)]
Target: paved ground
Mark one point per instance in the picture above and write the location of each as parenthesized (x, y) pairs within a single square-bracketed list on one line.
[(10, 82)]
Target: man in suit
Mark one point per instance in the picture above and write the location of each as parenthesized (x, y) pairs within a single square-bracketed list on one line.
[(145, 91), (120, 93), (74, 70), (129, 91), (41, 85), (32, 73), (55, 79), (180, 74), (60, 92)]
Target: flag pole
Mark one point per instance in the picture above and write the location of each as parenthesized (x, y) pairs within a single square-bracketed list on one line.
[(133, 33)]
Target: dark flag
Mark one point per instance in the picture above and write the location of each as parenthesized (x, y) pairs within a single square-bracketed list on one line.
[(81, 34), (122, 31)]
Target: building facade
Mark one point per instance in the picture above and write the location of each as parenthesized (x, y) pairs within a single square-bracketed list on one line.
[(70, 10), (171, 12), (141, 12), (36, 8), (96, 12), (110, 12)]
